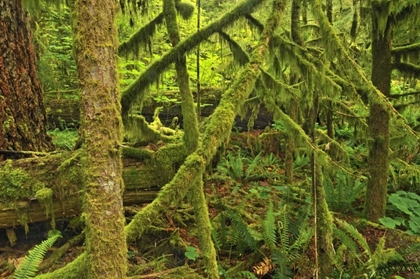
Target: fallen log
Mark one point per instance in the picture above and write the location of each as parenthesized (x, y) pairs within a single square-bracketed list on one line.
[(64, 113), (21, 213), (21, 180)]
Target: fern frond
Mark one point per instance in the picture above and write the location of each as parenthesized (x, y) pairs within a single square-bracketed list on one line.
[(382, 256), (216, 239), (264, 267), (356, 235), (253, 165), (398, 267), (270, 228), (241, 228), (345, 240), (29, 266), (284, 231)]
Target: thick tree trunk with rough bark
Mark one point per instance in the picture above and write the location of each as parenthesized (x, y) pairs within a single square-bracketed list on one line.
[(376, 192), (22, 112), (101, 128)]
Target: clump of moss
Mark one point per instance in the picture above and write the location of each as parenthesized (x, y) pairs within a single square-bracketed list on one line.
[(15, 183)]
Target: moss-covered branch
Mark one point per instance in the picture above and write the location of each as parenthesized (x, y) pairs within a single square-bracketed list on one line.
[(406, 49), (140, 38), (407, 68), (136, 89), (356, 73)]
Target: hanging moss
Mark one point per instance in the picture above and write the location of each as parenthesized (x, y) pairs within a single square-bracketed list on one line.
[(137, 88), (141, 38), (45, 197)]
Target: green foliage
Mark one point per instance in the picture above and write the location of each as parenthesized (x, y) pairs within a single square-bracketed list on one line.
[(354, 258), (240, 168), (64, 139), (406, 207), (54, 45), (29, 266), (191, 253), (269, 228), (343, 189)]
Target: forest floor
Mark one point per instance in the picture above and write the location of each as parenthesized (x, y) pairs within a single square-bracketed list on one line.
[(244, 191)]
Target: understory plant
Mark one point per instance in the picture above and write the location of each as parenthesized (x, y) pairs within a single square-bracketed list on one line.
[(404, 207), (354, 257), (29, 266), (279, 239)]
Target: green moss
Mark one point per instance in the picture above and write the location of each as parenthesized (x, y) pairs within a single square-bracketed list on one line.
[(45, 197), (136, 153), (7, 124), (15, 183)]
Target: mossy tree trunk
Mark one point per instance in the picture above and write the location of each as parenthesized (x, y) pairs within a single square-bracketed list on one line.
[(378, 121), (187, 106), (294, 78), (329, 105), (101, 129), (22, 112)]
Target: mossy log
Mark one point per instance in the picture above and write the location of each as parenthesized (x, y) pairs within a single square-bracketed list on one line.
[(20, 180), (63, 112)]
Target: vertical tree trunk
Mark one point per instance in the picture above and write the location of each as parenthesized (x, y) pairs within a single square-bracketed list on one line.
[(294, 78), (187, 106), (22, 112), (378, 121), (329, 111), (101, 129)]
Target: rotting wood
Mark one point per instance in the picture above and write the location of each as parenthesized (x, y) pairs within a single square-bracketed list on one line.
[(66, 208)]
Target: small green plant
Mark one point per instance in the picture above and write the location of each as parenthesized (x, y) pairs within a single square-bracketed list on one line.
[(406, 207), (191, 253), (343, 189), (239, 167), (29, 266), (361, 262)]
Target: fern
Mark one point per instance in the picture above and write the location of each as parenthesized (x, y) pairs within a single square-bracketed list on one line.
[(216, 239), (356, 235), (241, 230), (397, 266), (253, 165), (29, 266), (270, 228), (232, 166)]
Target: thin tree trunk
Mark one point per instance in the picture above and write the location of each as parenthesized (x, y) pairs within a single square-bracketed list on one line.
[(22, 111), (187, 105), (378, 120), (294, 78), (329, 110), (101, 126)]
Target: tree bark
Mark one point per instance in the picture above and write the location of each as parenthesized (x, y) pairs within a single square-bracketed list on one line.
[(101, 126), (22, 111), (378, 121)]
